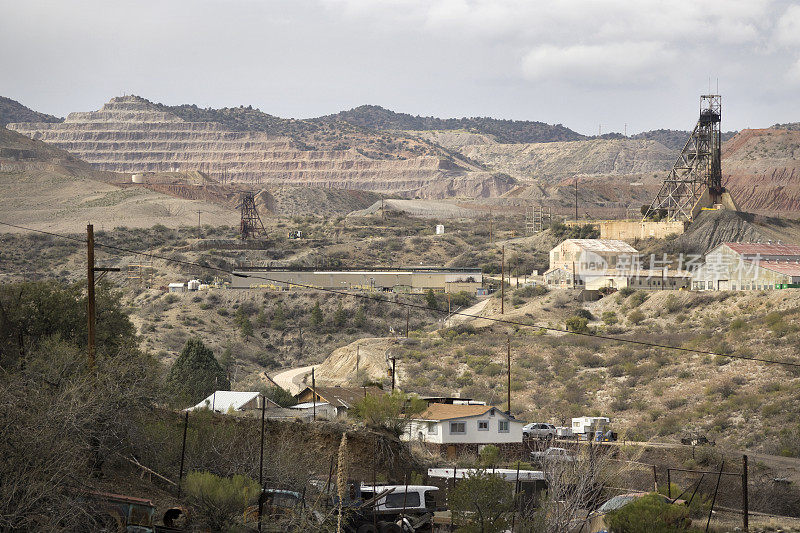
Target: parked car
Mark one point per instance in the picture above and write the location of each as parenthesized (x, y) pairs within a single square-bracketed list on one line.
[(552, 454), (539, 430)]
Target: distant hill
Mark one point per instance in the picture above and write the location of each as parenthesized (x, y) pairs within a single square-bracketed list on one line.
[(13, 111), (674, 139), (504, 131), (792, 126)]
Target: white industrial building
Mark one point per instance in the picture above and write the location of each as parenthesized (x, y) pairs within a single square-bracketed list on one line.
[(748, 266)]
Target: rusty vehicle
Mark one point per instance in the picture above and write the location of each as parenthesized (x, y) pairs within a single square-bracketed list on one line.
[(121, 514)]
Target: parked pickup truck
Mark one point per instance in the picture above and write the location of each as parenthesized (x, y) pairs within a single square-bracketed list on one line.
[(539, 430), (552, 454)]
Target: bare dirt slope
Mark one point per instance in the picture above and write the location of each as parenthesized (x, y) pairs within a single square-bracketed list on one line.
[(715, 227), (46, 188), (371, 355), (761, 168)]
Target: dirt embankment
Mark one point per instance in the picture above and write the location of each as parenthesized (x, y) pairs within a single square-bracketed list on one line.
[(761, 168)]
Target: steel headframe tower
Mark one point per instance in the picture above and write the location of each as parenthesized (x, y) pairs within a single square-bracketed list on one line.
[(251, 226), (695, 180)]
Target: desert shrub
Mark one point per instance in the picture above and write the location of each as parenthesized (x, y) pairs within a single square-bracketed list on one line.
[(589, 359), (635, 317), (584, 313), (218, 501), (577, 324), (386, 410), (737, 324), (461, 299), (529, 291), (481, 503), (648, 514), (637, 298), (489, 455), (626, 291), (610, 317)]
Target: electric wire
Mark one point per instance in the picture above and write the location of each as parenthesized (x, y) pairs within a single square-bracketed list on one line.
[(411, 305)]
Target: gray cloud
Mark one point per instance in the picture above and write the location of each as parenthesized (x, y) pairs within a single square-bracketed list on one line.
[(577, 62)]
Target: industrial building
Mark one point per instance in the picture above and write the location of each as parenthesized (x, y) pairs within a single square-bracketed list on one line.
[(593, 264), (748, 266), (390, 280)]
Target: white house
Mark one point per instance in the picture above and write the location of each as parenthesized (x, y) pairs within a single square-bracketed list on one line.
[(322, 410), (177, 287), (225, 401), (450, 424)]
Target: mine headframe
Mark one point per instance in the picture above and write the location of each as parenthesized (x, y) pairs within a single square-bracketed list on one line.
[(695, 180), (251, 226)]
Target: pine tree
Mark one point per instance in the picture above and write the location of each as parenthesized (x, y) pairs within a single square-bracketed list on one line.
[(316, 316), (278, 318), (196, 373), (430, 299), (339, 317)]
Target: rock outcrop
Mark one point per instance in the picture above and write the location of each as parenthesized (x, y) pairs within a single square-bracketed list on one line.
[(131, 135)]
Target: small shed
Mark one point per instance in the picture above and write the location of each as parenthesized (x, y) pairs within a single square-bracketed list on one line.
[(177, 287)]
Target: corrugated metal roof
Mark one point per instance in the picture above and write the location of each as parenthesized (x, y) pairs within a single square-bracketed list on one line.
[(341, 396), (790, 268), (604, 245), (754, 248), (447, 411), (223, 400)]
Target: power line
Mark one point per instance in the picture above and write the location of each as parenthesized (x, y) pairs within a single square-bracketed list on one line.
[(412, 305)]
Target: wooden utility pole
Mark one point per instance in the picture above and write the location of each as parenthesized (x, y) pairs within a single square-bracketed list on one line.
[(745, 503), (576, 200), (91, 325), (313, 395), (90, 293), (503, 281), (394, 360), (198, 230), (408, 315), (508, 359), (358, 357), (183, 449), (261, 465)]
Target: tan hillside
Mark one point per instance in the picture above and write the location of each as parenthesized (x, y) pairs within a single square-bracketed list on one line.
[(47, 188), (554, 161), (761, 168), (130, 134)]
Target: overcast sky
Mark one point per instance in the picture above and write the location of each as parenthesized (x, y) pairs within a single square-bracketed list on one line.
[(582, 63)]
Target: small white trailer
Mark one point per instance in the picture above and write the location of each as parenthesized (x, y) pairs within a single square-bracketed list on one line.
[(590, 425)]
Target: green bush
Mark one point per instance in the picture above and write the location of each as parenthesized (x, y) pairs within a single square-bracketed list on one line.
[(584, 313), (577, 324), (220, 502), (610, 318), (430, 300), (481, 503), (637, 298), (626, 291), (648, 514), (635, 317)]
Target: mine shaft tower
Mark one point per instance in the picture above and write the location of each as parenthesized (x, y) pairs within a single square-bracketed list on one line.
[(251, 226), (695, 180)]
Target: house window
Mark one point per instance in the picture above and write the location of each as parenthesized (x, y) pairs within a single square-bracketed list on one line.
[(432, 428), (483, 425), (458, 428), (502, 426)]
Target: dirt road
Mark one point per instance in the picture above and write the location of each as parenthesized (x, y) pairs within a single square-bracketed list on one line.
[(291, 379)]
